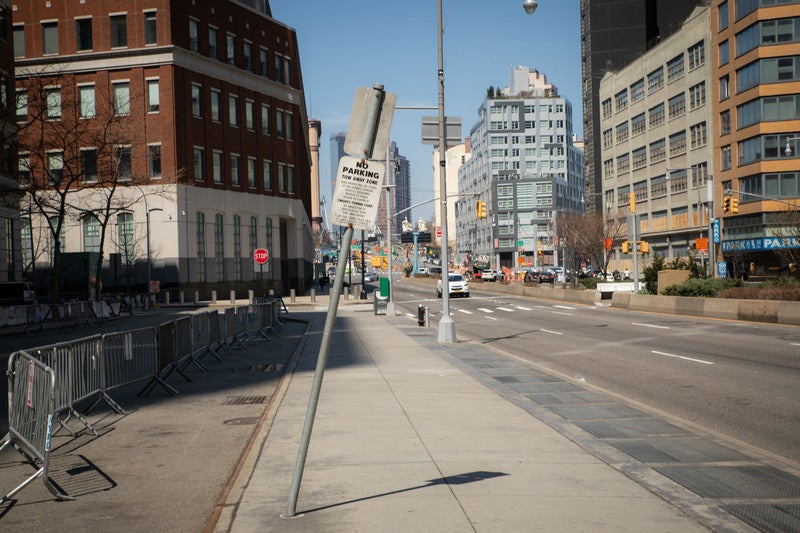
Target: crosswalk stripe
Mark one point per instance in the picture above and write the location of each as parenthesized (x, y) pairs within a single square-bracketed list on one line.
[(487, 311)]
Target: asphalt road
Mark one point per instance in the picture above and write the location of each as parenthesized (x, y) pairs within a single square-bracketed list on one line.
[(735, 379)]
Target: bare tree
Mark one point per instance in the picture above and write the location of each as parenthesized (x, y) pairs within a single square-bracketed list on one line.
[(585, 236)]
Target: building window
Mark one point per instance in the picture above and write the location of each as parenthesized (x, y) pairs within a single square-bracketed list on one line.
[(675, 68), (638, 124), (249, 112), (219, 246), (153, 97), (89, 165), (608, 168), (697, 55), (640, 158), (698, 134), (725, 122), (658, 151), (655, 80), (278, 66), (725, 159), (22, 106), (197, 101), (263, 60), (216, 166), (656, 115), (216, 104), (780, 31), (623, 164), (122, 98), (91, 234), (125, 237), (288, 126), (52, 98), (251, 172), (267, 174), (83, 34), (233, 110), (621, 100), (230, 48), (697, 95), (194, 35), (247, 55), (290, 178), (677, 144), (24, 166), (55, 167), (237, 247), (637, 91), (281, 177), (122, 159), (252, 233), (723, 16), (235, 170), (265, 119), (677, 105), (608, 139), (213, 51), (724, 55), (269, 234), (119, 31), (724, 88), (198, 157), (279, 122), (86, 101), (150, 28), (287, 70), (19, 41), (50, 37), (607, 108), (154, 160), (201, 247)]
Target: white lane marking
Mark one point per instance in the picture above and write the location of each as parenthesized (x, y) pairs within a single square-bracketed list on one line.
[(487, 311), (683, 357), (506, 309), (564, 307), (466, 312), (551, 331), (562, 313), (649, 325), (523, 308), (795, 343), (491, 318)]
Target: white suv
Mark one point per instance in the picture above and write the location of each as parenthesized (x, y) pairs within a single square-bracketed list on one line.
[(457, 285)]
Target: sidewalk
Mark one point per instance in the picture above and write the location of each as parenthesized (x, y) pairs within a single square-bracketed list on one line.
[(406, 441)]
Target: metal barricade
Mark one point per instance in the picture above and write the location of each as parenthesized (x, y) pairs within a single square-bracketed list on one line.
[(31, 404), (185, 354), (255, 323), (167, 360), (78, 370), (201, 336), (128, 357)]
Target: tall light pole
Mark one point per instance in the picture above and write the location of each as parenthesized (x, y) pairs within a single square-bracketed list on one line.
[(147, 212), (447, 327)]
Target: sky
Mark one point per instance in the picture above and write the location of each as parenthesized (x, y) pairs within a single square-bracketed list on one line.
[(358, 43)]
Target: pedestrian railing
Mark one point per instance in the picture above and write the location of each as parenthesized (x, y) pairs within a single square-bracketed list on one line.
[(47, 383)]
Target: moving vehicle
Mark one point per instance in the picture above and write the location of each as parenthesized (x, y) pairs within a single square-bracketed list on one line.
[(457, 285)]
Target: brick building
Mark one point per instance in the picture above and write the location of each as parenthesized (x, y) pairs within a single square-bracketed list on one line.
[(192, 114)]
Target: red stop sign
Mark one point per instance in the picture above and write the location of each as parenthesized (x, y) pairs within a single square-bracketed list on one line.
[(261, 256)]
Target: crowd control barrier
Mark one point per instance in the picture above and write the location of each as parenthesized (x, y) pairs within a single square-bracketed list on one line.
[(31, 399), (47, 382)]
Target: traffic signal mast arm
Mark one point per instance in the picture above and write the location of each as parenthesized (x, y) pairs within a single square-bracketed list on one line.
[(729, 192)]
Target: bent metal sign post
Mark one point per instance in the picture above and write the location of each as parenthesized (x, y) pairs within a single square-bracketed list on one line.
[(357, 193)]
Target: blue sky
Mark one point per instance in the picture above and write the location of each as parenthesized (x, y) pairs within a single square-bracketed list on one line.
[(357, 43)]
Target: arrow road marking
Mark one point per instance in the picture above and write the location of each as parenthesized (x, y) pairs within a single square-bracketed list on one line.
[(683, 357)]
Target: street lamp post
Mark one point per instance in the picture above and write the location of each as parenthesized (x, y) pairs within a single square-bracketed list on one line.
[(147, 212), (447, 328)]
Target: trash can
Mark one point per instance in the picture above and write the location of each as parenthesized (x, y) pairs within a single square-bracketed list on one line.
[(384, 287), (380, 303)]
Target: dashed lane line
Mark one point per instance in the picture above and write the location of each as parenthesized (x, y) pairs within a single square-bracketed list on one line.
[(649, 325), (692, 359)]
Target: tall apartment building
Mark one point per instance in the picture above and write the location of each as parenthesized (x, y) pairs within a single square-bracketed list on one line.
[(209, 153), (656, 142), (402, 189), (614, 33), (525, 167), (756, 96), (13, 266)]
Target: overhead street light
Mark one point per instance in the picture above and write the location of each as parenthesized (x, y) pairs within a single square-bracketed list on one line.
[(447, 328)]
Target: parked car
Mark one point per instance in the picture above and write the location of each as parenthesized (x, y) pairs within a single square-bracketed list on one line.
[(547, 276), (531, 276), (492, 275), (457, 285), (370, 276), (435, 271), (422, 271)]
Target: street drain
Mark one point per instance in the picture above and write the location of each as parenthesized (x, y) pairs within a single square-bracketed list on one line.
[(269, 367), (244, 400)]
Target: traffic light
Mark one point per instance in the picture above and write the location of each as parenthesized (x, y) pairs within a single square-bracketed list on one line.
[(644, 247), (626, 247), (480, 209), (734, 205), (726, 204)]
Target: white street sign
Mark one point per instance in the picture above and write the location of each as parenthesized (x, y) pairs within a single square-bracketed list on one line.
[(357, 193)]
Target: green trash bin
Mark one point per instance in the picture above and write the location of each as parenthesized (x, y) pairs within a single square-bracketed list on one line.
[(384, 287)]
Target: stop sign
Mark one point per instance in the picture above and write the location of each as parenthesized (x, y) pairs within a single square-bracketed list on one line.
[(261, 256)]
